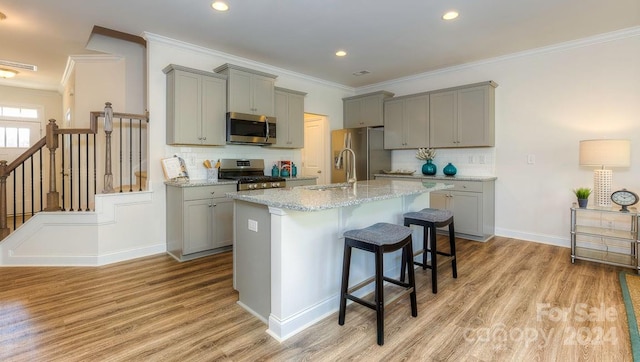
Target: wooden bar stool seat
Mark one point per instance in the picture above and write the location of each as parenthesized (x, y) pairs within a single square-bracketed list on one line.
[(379, 238)]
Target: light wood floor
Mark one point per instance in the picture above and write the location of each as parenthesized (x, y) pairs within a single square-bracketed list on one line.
[(513, 301)]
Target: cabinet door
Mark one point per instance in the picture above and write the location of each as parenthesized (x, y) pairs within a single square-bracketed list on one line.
[(371, 111), (296, 121), (352, 113), (262, 95), (467, 212), (394, 136), (239, 92), (416, 119), (222, 222), (439, 200), (187, 112), (473, 117), (282, 115), (197, 221), (442, 119), (214, 93)]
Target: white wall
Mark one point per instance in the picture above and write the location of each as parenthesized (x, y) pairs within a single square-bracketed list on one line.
[(51, 101), (322, 98), (547, 101)]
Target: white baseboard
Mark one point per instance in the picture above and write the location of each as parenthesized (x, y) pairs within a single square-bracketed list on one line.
[(538, 238)]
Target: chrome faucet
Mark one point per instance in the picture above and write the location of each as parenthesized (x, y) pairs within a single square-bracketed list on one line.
[(351, 174)]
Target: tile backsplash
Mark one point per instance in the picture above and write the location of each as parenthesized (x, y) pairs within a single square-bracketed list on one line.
[(468, 161), (195, 156)]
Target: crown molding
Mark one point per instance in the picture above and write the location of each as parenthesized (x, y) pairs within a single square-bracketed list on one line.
[(85, 58), (573, 44), (150, 37)]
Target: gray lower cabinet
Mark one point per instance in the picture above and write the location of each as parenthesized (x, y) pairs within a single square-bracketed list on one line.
[(473, 206), (196, 104), (472, 203), (199, 220), (463, 116)]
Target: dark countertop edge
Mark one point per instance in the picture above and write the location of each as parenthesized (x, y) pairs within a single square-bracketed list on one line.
[(440, 177)]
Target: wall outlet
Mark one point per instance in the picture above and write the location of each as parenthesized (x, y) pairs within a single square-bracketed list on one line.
[(253, 225), (482, 160)]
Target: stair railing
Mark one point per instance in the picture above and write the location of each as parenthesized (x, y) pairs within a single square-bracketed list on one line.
[(74, 154)]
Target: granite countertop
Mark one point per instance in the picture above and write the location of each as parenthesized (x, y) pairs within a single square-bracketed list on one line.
[(418, 175), (322, 197)]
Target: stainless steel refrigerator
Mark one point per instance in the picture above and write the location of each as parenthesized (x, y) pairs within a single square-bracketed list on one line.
[(368, 146)]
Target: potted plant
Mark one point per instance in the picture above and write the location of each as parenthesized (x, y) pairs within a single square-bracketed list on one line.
[(427, 154), (582, 194)]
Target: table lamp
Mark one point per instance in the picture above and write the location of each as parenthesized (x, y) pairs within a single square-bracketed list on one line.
[(604, 153)]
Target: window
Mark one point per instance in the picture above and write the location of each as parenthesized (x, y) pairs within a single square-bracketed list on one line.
[(17, 112), (13, 137)]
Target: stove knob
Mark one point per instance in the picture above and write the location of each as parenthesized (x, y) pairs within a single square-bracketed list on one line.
[(276, 184), (252, 186)]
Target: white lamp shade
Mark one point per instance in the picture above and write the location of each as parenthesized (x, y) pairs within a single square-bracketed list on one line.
[(612, 153)]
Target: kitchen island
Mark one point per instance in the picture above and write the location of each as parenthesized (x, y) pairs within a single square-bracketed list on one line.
[(288, 245)]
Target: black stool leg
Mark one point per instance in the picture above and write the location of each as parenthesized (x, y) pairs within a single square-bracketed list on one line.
[(434, 261), (408, 251), (405, 261), (452, 245), (379, 295), (346, 263), (425, 244)]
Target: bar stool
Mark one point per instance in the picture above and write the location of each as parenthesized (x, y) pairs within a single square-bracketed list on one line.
[(379, 238), (430, 219)]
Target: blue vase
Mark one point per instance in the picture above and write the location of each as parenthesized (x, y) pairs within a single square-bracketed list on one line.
[(429, 168), (449, 169)]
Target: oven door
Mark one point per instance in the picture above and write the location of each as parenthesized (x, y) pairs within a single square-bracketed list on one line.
[(250, 129)]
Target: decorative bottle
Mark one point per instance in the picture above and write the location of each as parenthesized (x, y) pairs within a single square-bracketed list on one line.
[(449, 169), (275, 172), (294, 170), (429, 168)]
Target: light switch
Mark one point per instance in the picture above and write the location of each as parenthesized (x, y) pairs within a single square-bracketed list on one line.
[(531, 159)]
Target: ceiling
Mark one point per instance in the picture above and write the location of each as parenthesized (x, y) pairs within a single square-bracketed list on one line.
[(390, 39)]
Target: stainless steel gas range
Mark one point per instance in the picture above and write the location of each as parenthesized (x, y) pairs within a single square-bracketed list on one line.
[(249, 173)]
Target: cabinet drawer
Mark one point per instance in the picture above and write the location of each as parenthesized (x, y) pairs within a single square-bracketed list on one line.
[(207, 192), (465, 186)]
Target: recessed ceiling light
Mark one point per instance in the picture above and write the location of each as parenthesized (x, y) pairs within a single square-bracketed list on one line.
[(7, 73), (220, 6), (2, 16), (341, 53), (450, 15)]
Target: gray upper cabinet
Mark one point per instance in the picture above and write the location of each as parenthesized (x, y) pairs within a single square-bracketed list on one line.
[(406, 122), (196, 102), (249, 91), (290, 118), (463, 116), (365, 110)]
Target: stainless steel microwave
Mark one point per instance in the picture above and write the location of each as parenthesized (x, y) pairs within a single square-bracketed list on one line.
[(245, 128)]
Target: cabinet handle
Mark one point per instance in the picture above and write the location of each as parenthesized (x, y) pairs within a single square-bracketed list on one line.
[(214, 205), (213, 192), (204, 138), (210, 205)]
